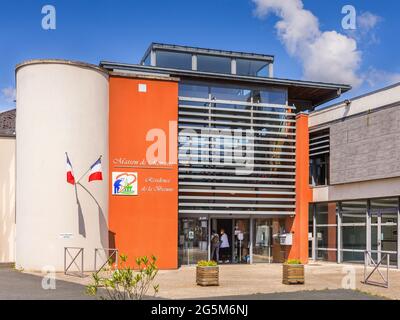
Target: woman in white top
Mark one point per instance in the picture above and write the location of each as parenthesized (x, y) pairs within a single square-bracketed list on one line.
[(224, 246)]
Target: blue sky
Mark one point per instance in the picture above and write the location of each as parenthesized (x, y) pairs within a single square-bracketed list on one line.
[(121, 30)]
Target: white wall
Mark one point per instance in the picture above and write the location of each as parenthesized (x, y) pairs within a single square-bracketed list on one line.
[(62, 107), (7, 199), (358, 190), (368, 102)]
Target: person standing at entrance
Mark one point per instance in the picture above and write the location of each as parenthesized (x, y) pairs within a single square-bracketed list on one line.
[(215, 243), (224, 246)]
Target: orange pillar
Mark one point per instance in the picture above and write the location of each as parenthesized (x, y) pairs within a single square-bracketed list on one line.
[(299, 224)]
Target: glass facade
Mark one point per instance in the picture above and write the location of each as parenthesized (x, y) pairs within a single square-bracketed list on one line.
[(174, 60), (326, 231), (262, 241), (193, 240), (209, 63), (344, 231), (253, 68), (236, 154)]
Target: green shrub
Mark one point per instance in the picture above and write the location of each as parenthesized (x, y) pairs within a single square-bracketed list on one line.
[(205, 263), (125, 283), (293, 261)]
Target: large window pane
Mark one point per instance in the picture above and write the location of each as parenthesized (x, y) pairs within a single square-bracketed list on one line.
[(262, 240), (229, 93), (175, 60), (354, 211), (215, 64), (271, 95), (193, 90), (326, 213), (327, 255), (327, 237), (193, 235), (353, 238), (246, 67)]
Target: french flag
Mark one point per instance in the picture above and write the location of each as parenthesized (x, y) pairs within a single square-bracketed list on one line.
[(95, 171), (70, 174)]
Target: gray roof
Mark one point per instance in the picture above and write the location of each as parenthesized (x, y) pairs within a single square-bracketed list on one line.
[(298, 90), (7, 123), (196, 50)]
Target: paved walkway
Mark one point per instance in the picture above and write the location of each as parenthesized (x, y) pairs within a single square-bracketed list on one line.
[(15, 285), (265, 280)]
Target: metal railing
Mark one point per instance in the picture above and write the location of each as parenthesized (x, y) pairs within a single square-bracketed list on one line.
[(79, 252), (368, 261), (112, 252)]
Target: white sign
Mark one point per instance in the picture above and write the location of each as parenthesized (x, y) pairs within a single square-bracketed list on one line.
[(124, 183), (66, 235), (191, 235), (142, 87)]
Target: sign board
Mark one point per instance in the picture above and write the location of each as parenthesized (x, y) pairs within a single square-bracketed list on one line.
[(191, 235), (66, 235), (124, 183)]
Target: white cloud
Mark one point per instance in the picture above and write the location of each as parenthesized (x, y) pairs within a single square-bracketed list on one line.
[(8, 94), (379, 78), (367, 21), (365, 32), (325, 56)]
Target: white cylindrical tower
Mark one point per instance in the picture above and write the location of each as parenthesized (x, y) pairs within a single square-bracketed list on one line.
[(62, 106)]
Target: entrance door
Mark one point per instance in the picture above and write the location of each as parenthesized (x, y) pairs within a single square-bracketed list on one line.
[(241, 241), (262, 240), (238, 234), (384, 234), (193, 235), (224, 226)]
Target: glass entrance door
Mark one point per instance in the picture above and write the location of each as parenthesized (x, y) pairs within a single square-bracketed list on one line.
[(384, 229), (193, 244), (262, 241), (241, 241)]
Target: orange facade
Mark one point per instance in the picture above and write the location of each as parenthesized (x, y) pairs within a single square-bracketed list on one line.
[(143, 115), (143, 123), (299, 224)]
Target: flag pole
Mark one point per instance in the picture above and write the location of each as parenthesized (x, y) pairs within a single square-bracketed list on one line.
[(88, 170)]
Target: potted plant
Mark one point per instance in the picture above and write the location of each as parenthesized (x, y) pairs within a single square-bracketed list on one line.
[(207, 273), (293, 272)]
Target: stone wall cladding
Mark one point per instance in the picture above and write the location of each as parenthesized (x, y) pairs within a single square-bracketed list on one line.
[(7, 122), (365, 147)]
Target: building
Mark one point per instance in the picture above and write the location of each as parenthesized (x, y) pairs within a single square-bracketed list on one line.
[(355, 174), (192, 141), (7, 186)]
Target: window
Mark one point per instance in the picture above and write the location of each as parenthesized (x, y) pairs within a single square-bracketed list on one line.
[(354, 236), (216, 64), (255, 68), (147, 60), (271, 95), (229, 93), (326, 231), (193, 90), (174, 60), (319, 158)]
